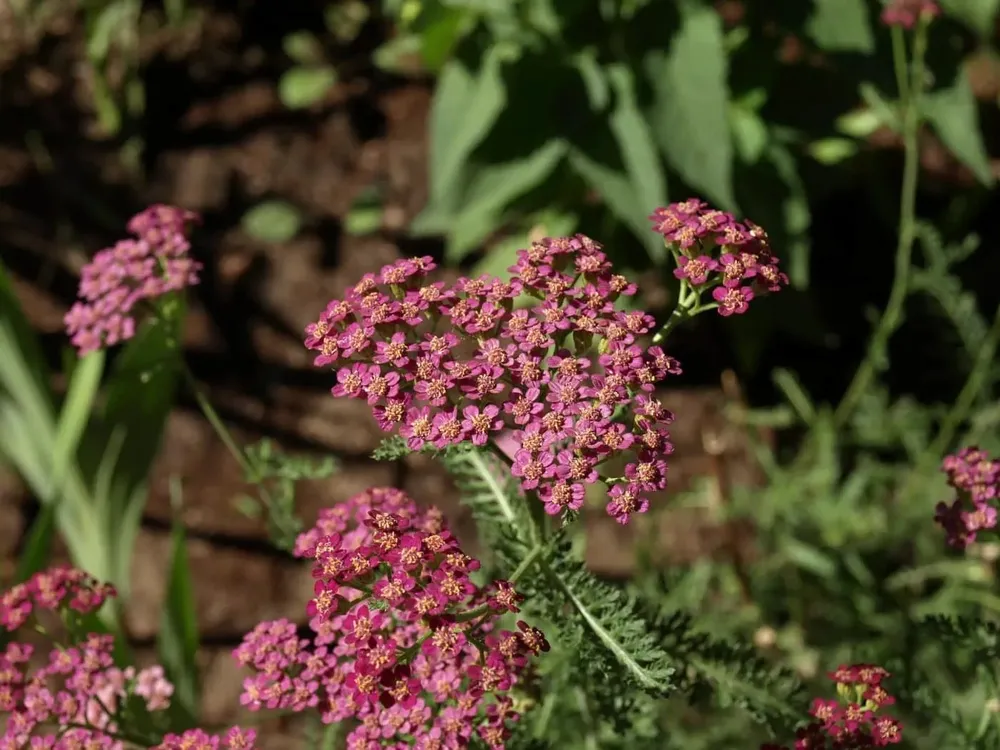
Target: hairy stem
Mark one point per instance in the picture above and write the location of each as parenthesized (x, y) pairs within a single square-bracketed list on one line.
[(911, 97)]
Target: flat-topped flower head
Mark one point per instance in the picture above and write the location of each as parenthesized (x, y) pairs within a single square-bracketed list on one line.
[(404, 642), (442, 365), (119, 279), (716, 252)]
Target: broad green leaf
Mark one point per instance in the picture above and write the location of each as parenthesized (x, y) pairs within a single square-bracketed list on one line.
[(635, 142), (620, 198), (38, 545), (860, 123), (492, 189), (832, 150), (466, 105), (954, 115), (503, 254), (690, 112), (365, 216), (272, 221), (594, 79), (396, 55), (887, 112), (27, 372), (303, 86), (140, 395), (841, 26), (439, 31), (978, 15), (302, 47), (749, 133), (177, 641), (75, 413)]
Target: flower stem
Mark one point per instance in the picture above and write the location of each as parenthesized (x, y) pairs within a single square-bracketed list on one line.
[(967, 396), (910, 94), (201, 398)]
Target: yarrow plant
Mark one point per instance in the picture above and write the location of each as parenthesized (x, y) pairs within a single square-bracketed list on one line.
[(716, 253), (78, 698), (405, 643), (119, 281), (975, 478), (569, 379), (853, 720)]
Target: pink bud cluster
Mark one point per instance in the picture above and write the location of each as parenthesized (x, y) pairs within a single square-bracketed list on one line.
[(73, 699), (405, 643), (569, 376), (906, 13), (975, 478), (118, 279), (853, 721), (715, 252)]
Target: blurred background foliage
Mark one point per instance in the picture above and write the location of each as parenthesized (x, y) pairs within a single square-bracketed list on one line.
[(557, 116)]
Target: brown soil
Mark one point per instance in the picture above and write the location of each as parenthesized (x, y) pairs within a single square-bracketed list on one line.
[(218, 142)]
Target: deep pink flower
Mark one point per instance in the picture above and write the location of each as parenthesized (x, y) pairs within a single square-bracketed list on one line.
[(119, 283)]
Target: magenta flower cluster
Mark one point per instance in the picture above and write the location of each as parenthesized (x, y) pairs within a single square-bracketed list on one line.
[(715, 252), (119, 279), (569, 376), (975, 478), (854, 721), (73, 699), (906, 13), (405, 643)]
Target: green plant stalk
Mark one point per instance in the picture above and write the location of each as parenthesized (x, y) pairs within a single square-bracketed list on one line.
[(205, 404), (891, 317), (967, 396)]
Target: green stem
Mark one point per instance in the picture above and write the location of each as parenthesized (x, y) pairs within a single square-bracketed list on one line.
[(967, 396), (526, 563), (891, 318), (215, 420), (224, 434)]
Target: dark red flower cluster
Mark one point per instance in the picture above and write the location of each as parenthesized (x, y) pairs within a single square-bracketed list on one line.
[(906, 13), (715, 252), (117, 280), (405, 642), (975, 477), (853, 721), (443, 365)]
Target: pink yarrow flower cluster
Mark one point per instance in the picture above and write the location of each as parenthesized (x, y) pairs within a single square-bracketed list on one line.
[(74, 699), (975, 478), (906, 13), (569, 379), (852, 721), (404, 643), (715, 252), (118, 280)]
